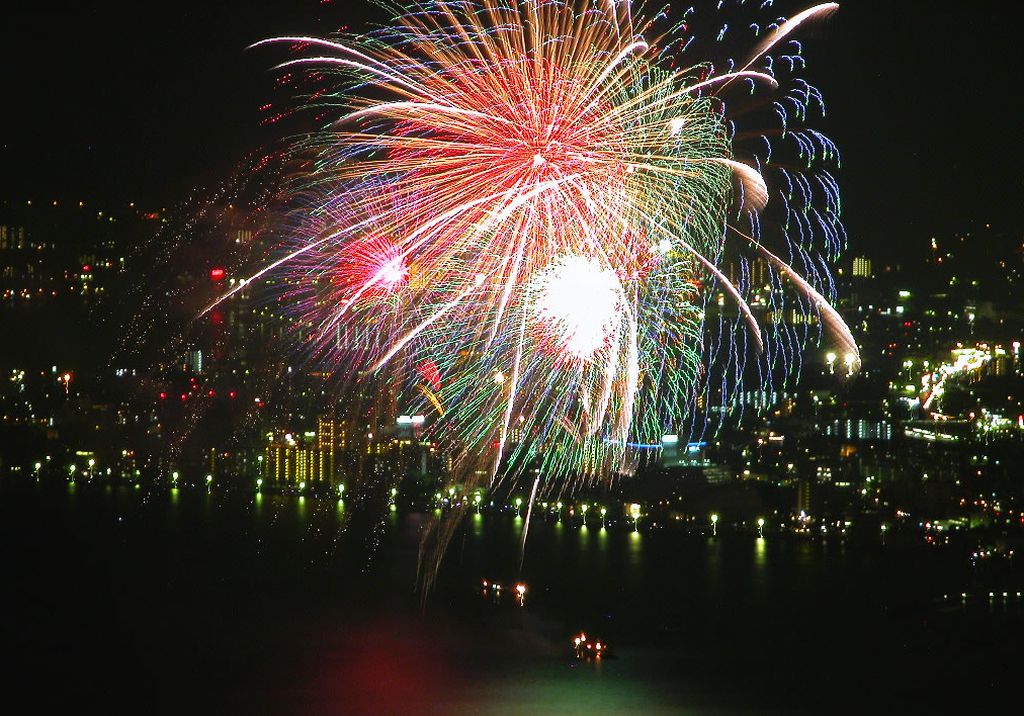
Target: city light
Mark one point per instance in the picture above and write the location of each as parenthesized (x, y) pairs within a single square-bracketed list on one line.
[(520, 590), (850, 361)]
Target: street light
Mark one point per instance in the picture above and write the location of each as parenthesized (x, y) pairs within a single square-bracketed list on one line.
[(714, 525), (849, 360), (477, 498), (559, 506), (604, 511), (830, 358), (92, 464), (583, 511), (519, 504), (259, 483), (634, 512), (760, 527)]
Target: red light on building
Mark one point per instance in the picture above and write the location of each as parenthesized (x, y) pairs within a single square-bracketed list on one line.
[(86, 269), (232, 394), (217, 274), (163, 396), (211, 393)]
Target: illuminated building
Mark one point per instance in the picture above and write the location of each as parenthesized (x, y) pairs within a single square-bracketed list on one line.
[(762, 399), (803, 496), (291, 459), (194, 360), (860, 430), (793, 316), (12, 237), (862, 267), (759, 273)]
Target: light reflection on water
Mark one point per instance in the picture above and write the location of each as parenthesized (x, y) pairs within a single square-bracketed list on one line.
[(692, 619)]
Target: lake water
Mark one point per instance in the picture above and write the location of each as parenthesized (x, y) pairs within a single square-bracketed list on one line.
[(128, 600)]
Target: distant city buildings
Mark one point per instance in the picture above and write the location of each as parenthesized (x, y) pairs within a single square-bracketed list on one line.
[(862, 267), (932, 426)]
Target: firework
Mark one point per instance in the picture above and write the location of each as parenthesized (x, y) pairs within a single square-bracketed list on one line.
[(548, 216)]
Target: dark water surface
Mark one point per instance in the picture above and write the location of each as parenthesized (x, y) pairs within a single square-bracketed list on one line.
[(129, 601)]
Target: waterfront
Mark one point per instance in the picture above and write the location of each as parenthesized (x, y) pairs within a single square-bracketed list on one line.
[(194, 602)]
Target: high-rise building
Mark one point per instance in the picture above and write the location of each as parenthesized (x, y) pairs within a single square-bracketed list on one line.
[(862, 267), (1002, 361), (862, 430), (12, 237), (194, 360), (759, 273), (294, 459), (756, 271), (803, 496)]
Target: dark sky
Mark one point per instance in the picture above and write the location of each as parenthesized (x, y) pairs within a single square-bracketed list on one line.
[(144, 101)]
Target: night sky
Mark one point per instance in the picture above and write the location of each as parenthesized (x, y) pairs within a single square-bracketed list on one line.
[(148, 102)]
